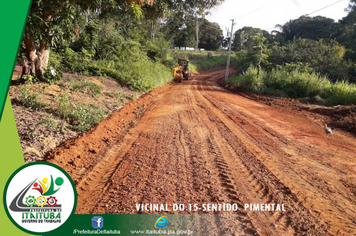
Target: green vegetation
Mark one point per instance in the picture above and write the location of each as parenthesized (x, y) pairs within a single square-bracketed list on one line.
[(86, 115), (296, 83), (213, 63), (129, 66), (51, 75), (309, 57), (249, 80), (325, 57), (122, 39), (30, 99), (183, 33), (120, 96), (52, 124), (86, 86), (81, 117), (48, 122), (135, 96), (64, 106)]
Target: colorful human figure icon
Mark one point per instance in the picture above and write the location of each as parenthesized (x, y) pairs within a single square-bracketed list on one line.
[(46, 187), (37, 187), (44, 184)]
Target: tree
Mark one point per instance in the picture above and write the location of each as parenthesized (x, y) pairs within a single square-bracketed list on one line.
[(242, 39), (211, 35), (52, 21), (181, 23), (347, 33), (316, 28), (259, 56), (186, 33), (323, 56), (155, 13)]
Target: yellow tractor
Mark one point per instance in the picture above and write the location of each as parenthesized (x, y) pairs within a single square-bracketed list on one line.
[(182, 70)]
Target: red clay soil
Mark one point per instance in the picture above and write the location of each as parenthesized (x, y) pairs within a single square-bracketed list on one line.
[(197, 142)]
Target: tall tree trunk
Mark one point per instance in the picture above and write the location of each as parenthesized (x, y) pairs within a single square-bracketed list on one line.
[(260, 57), (31, 54), (153, 31), (197, 32), (43, 58), (37, 59), (43, 52)]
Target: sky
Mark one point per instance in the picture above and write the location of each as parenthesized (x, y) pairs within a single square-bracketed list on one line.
[(265, 14)]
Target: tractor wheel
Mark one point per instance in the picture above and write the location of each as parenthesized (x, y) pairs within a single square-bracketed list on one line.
[(180, 78)]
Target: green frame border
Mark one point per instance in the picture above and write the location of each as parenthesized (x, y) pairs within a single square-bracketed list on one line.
[(12, 37), (31, 164)]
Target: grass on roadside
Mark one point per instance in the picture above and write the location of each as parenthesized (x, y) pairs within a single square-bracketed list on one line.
[(64, 106), (81, 117), (86, 116), (296, 84), (30, 99), (86, 86)]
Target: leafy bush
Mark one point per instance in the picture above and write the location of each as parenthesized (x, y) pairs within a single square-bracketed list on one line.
[(146, 75), (87, 115), (250, 81), (29, 99), (29, 79), (141, 75), (81, 117), (76, 61), (64, 106), (352, 73), (103, 51), (324, 57), (51, 75), (158, 49), (243, 61), (55, 60)]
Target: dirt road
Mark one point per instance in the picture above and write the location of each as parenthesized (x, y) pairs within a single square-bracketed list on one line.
[(196, 142)]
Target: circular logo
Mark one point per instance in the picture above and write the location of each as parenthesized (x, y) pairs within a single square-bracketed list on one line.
[(39, 197)]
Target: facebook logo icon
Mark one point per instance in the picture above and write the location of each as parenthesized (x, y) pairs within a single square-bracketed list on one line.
[(97, 222)]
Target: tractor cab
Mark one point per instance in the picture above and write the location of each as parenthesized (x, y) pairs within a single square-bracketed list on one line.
[(184, 64)]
